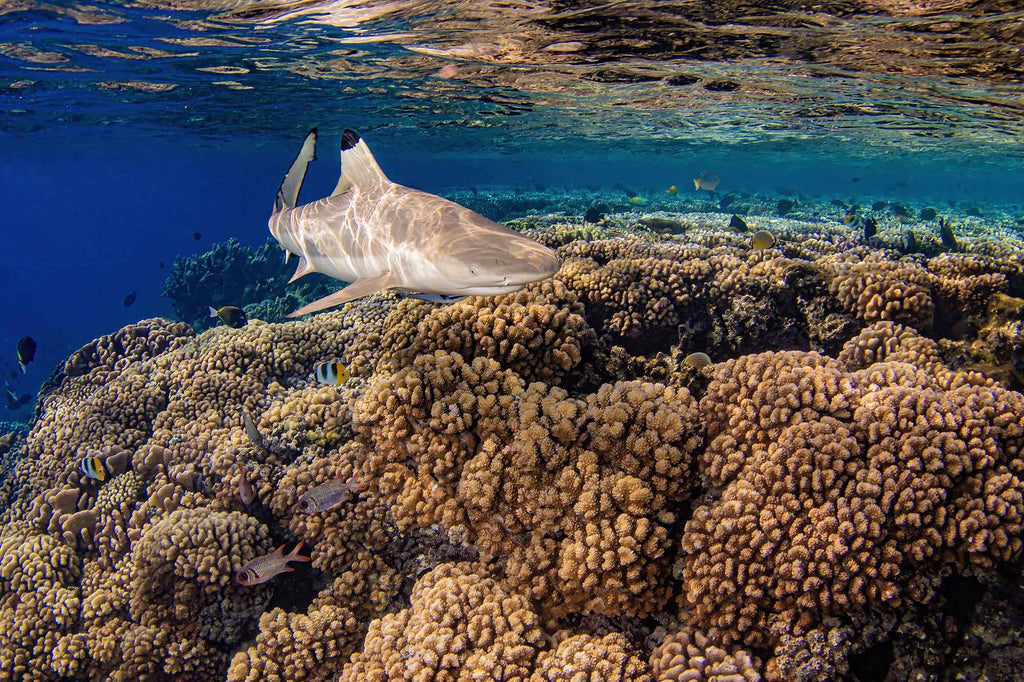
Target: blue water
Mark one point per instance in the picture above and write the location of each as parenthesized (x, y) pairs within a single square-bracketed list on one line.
[(100, 185)]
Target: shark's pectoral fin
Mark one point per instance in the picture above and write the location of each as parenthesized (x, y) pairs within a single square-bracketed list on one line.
[(358, 289), (302, 270)]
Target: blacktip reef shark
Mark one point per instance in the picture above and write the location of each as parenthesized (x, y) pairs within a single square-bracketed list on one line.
[(378, 235)]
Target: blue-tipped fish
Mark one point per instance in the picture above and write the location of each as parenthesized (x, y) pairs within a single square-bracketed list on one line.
[(331, 373), (94, 468)]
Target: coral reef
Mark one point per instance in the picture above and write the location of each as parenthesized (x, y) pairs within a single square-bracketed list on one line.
[(574, 493), (232, 274), (546, 487), (846, 489), (688, 655), (460, 624)]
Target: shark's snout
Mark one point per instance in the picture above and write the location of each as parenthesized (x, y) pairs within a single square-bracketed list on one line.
[(539, 263), (535, 270)]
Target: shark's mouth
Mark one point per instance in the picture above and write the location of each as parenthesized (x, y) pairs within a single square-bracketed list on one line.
[(490, 289)]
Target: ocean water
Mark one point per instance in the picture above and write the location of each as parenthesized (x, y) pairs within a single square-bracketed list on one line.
[(136, 137)]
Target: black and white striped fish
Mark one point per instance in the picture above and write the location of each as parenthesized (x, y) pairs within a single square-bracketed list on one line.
[(94, 468), (332, 373)]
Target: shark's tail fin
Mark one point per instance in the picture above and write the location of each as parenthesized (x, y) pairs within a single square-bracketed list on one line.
[(358, 167), (288, 192)]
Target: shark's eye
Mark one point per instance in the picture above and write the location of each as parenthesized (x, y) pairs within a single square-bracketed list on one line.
[(472, 271)]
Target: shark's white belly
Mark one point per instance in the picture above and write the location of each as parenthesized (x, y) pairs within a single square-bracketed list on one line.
[(336, 241)]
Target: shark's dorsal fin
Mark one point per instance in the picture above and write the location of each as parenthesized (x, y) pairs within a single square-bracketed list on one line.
[(302, 270), (344, 185), (358, 167), (358, 289), (288, 192)]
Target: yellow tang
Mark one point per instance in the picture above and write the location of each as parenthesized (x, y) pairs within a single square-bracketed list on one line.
[(762, 239), (94, 468), (671, 190), (331, 373), (638, 201)]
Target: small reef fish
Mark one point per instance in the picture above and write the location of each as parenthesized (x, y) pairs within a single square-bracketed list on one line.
[(380, 235), (26, 351), (263, 568), (638, 201), (329, 495), (94, 468), (784, 206), (947, 236), (706, 181), (160, 265), (197, 236), (697, 360), (879, 205), (13, 400), (672, 190), (434, 298), (592, 215), (130, 299), (230, 315), (726, 201), (255, 437), (332, 373), (928, 213), (870, 228), (245, 491), (737, 223), (910, 243), (762, 239)]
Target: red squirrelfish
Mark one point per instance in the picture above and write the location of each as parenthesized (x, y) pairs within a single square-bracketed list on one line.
[(245, 491), (263, 568), (329, 495)]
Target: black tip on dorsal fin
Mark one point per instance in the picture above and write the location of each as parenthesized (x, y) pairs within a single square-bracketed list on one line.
[(315, 132), (349, 139)]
